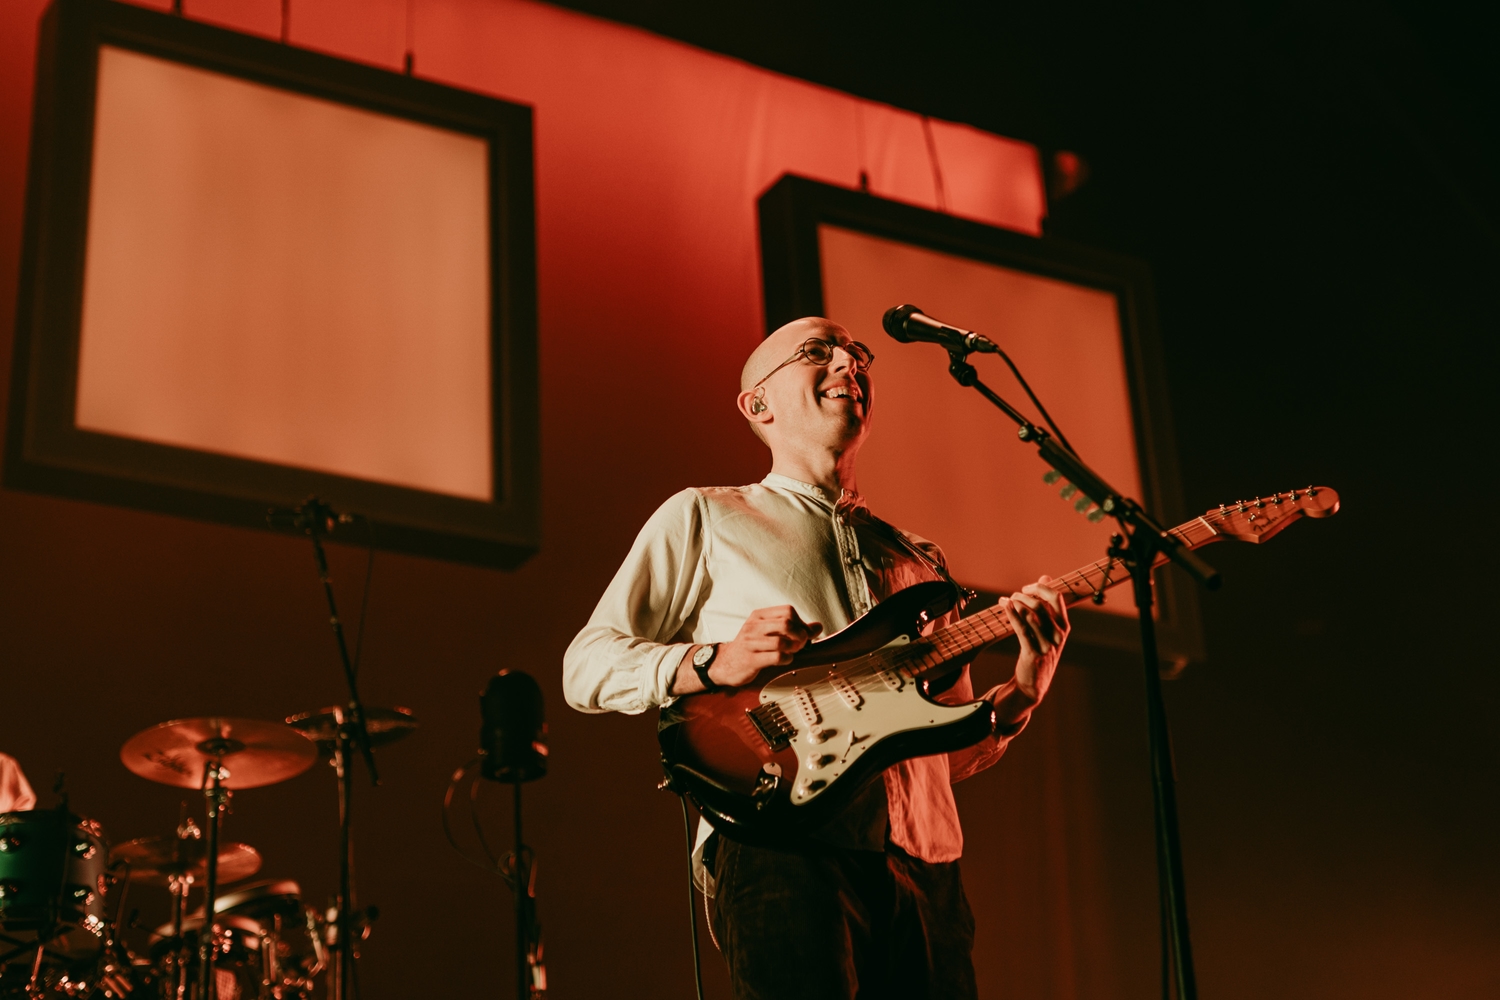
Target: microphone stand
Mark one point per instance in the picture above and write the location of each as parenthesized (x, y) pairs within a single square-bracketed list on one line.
[(315, 519), (1143, 540)]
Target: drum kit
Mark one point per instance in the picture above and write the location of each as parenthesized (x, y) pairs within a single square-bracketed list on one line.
[(63, 889)]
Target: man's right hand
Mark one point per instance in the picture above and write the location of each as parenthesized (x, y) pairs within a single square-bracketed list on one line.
[(769, 638)]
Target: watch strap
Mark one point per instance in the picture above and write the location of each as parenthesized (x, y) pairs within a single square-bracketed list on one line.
[(701, 669)]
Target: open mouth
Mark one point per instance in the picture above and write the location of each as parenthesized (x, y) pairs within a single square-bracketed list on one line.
[(845, 391)]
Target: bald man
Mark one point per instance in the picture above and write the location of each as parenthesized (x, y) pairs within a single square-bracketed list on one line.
[(724, 582)]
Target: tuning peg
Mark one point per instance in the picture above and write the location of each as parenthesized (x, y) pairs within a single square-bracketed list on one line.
[(1051, 476), (1067, 491), (1083, 504), (1096, 515)]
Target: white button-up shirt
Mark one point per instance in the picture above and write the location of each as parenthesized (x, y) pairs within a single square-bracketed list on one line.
[(708, 558)]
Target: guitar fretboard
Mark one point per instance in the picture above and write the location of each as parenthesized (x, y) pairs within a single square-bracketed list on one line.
[(990, 625)]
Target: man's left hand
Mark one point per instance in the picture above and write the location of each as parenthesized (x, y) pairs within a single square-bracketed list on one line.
[(1040, 618)]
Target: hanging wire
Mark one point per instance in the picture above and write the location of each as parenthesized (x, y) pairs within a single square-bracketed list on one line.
[(859, 144), (687, 825), (937, 170), (364, 600), (484, 843), (411, 54), (494, 866)]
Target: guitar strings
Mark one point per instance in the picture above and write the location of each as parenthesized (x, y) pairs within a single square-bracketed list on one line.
[(911, 661)]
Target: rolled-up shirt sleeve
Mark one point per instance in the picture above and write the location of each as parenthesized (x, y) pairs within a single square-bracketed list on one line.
[(625, 658)]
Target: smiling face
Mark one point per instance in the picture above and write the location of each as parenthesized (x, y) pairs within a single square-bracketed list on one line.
[(804, 405)]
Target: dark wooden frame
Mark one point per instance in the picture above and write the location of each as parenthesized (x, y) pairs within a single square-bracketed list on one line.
[(791, 211), (45, 452)]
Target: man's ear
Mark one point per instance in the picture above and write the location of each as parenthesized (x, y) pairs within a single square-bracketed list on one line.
[(753, 406)]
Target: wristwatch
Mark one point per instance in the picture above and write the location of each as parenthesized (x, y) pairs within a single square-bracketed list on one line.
[(703, 658)]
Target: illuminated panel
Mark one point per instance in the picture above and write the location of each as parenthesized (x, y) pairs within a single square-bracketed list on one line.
[(941, 461), (276, 277)]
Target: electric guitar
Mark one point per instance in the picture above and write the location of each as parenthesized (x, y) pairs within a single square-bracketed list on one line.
[(779, 757)]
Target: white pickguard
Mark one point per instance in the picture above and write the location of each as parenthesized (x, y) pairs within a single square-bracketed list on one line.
[(835, 723)]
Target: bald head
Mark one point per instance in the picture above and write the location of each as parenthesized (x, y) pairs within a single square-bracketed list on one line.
[(795, 403), (780, 345)]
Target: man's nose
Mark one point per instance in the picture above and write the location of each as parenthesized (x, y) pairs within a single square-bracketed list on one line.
[(842, 360)]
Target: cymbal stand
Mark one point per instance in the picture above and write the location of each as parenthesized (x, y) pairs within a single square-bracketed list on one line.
[(179, 886), (315, 519), (1141, 542), (218, 798), (344, 954)]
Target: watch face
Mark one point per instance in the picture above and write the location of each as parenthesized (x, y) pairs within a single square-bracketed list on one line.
[(704, 654)]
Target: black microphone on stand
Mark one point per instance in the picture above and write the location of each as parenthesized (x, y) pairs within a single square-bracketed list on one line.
[(909, 324), (513, 731)]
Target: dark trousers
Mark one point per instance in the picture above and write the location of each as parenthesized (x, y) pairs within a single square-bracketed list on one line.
[(826, 923)]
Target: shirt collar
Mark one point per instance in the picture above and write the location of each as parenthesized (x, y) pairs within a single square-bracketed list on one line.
[(847, 502), (777, 481)]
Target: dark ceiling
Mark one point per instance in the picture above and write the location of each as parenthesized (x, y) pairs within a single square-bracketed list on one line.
[(1143, 88)]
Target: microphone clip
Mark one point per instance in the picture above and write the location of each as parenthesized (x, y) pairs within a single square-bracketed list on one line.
[(312, 517)]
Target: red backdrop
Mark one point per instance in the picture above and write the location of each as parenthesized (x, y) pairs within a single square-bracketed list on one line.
[(649, 157)]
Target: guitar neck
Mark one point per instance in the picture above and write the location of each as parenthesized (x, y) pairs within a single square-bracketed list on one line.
[(991, 625)]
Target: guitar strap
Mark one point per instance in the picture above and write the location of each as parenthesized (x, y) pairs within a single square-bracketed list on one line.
[(894, 534)]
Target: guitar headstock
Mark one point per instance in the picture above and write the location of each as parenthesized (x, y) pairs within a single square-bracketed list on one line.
[(1257, 520)]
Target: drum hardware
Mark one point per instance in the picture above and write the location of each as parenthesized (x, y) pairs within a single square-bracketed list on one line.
[(52, 914), (331, 729), (178, 862), (188, 753)]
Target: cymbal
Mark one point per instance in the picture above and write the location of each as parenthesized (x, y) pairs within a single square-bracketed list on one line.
[(385, 725), (252, 752), (156, 860)]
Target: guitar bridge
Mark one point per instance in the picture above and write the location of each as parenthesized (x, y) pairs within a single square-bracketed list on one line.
[(772, 725)]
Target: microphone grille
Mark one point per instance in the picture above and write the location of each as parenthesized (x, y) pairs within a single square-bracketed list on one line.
[(895, 321)]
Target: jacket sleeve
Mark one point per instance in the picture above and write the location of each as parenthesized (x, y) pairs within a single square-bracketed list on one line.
[(626, 656)]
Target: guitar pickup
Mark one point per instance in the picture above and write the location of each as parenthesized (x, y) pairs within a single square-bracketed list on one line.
[(772, 725), (807, 706), (846, 690), (892, 679)]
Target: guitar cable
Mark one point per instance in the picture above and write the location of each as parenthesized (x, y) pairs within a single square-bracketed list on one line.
[(687, 826)]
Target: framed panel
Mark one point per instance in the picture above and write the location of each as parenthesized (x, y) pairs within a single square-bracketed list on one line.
[(940, 460), (253, 273)]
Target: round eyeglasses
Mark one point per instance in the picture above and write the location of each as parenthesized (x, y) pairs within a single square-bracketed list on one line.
[(820, 352)]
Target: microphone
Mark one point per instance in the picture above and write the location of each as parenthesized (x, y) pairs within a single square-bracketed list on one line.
[(909, 324), (513, 730)]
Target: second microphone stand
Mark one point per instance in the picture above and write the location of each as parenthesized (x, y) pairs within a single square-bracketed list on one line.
[(1143, 544), (316, 519)]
